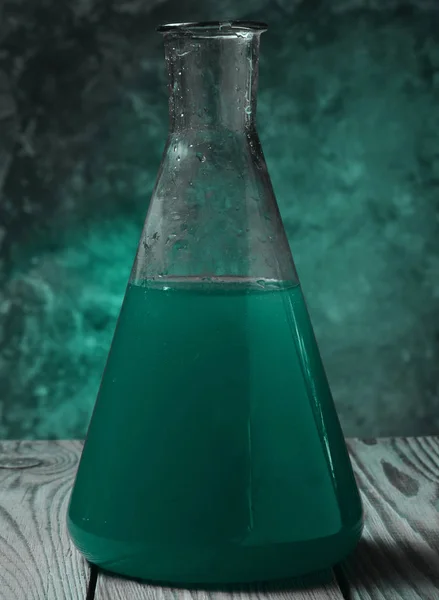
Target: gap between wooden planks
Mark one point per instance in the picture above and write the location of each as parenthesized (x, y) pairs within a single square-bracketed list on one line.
[(109, 587)]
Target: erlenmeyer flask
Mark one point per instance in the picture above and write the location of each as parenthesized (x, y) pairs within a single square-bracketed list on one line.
[(214, 452)]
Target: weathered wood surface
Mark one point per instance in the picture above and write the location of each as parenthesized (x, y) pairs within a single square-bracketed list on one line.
[(112, 588), (37, 559), (398, 557)]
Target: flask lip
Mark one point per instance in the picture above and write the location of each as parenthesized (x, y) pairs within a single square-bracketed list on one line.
[(213, 27)]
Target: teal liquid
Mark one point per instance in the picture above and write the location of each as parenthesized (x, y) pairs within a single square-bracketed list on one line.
[(214, 452)]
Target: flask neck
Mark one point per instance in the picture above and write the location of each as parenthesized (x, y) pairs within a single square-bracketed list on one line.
[(212, 80)]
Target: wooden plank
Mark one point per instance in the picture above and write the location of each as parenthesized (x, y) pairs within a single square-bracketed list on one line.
[(112, 588), (398, 557), (37, 558)]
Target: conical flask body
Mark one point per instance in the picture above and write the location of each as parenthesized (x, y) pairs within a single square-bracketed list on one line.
[(214, 453)]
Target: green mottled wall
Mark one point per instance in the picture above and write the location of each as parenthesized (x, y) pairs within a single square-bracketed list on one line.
[(349, 119)]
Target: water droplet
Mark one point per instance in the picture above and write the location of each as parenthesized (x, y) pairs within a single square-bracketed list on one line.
[(248, 110), (182, 115), (201, 157), (178, 158), (261, 283), (175, 148)]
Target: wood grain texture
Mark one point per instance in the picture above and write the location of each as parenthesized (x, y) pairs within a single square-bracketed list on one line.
[(112, 588), (398, 557), (38, 561)]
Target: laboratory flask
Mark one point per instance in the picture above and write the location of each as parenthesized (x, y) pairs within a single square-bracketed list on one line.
[(214, 453)]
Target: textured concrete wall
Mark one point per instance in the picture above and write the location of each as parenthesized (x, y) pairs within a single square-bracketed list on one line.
[(348, 115)]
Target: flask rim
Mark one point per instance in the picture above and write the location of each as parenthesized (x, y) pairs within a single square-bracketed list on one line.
[(213, 27)]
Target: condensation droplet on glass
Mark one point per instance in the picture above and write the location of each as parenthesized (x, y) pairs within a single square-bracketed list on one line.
[(182, 115), (178, 158), (248, 110), (200, 157)]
